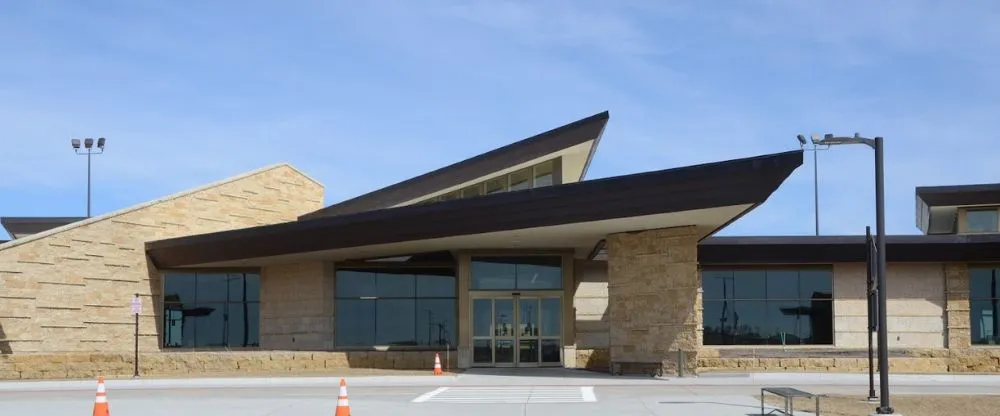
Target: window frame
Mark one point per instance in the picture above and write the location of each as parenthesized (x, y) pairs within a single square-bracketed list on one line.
[(995, 211), (416, 298), (764, 299), (974, 297), (245, 304)]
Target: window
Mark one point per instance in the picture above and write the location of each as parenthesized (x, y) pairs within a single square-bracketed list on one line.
[(396, 307), (981, 220), (983, 305), (768, 306), (211, 310), (524, 273), (535, 176)]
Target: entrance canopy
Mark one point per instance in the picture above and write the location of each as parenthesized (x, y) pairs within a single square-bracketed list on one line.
[(572, 215)]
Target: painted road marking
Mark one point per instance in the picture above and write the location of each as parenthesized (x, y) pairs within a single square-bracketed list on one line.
[(427, 396), (509, 395)]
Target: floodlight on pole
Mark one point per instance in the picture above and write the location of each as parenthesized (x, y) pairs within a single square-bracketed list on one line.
[(885, 406), (815, 149), (88, 143)]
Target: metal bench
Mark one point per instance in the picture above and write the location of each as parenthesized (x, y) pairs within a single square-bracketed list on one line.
[(789, 394)]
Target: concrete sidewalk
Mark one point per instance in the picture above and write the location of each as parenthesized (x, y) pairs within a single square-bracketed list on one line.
[(511, 377)]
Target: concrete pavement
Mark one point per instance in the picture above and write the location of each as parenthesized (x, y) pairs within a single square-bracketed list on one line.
[(548, 392)]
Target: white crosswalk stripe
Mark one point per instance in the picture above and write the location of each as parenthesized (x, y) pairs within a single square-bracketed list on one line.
[(511, 395)]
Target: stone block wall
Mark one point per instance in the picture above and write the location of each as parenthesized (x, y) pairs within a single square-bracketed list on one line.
[(956, 283), (654, 296), (590, 303), (297, 306), (230, 363), (68, 289), (916, 305)]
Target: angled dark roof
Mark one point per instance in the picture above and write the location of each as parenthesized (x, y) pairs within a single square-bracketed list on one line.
[(957, 195), (22, 226), (748, 181), (552, 141), (845, 249)]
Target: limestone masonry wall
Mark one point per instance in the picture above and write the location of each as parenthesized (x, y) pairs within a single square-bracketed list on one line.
[(654, 297), (68, 290), (916, 305), (297, 307), (89, 365)]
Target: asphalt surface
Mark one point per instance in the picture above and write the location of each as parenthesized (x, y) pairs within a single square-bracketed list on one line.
[(482, 395)]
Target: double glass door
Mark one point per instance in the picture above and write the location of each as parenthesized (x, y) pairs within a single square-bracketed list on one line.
[(517, 331)]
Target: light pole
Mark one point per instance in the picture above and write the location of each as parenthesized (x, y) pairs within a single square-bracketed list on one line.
[(815, 150), (884, 407), (88, 143)]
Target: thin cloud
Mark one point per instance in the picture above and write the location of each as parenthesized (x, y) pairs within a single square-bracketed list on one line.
[(361, 95)]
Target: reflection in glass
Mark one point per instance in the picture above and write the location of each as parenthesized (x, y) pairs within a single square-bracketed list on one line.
[(984, 305), (482, 351), (474, 190), (768, 307), (436, 322), (210, 324), (211, 310), (355, 284), (528, 351), (504, 351), (543, 174), (431, 286), (551, 351), (503, 317), (520, 180), (490, 275), (526, 273), (355, 326), (528, 315), (551, 317), (396, 305), (482, 317), (981, 220), (394, 322), (496, 185)]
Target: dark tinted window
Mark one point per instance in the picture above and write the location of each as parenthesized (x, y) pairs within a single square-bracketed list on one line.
[(984, 305), (768, 306), (211, 310), (396, 306)]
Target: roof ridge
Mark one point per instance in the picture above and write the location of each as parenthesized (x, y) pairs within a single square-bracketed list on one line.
[(133, 208)]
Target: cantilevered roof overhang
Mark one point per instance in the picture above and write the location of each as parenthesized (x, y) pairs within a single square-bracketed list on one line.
[(937, 206), (575, 215), (776, 250), (574, 144), (19, 227)]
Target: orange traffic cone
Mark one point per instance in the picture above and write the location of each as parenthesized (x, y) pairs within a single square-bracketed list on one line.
[(101, 401), (343, 408), (437, 364)]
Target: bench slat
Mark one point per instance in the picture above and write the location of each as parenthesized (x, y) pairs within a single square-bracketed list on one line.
[(788, 392)]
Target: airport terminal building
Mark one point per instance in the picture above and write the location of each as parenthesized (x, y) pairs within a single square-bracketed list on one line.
[(508, 259)]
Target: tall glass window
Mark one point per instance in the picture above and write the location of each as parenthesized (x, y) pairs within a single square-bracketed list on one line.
[(768, 306), (211, 310), (984, 305), (396, 306), (523, 273)]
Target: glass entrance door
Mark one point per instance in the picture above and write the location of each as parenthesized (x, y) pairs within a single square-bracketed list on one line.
[(517, 331)]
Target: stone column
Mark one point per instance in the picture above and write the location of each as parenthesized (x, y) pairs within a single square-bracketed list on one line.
[(956, 276), (654, 297)]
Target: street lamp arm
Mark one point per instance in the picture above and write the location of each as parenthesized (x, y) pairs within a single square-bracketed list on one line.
[(831, 140)]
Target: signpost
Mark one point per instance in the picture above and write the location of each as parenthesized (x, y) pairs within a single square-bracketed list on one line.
[(136, 310)]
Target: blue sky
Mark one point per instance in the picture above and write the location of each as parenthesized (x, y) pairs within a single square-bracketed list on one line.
[(363, 94)]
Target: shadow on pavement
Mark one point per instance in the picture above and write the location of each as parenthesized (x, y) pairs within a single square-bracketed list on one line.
[(549, 372)]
